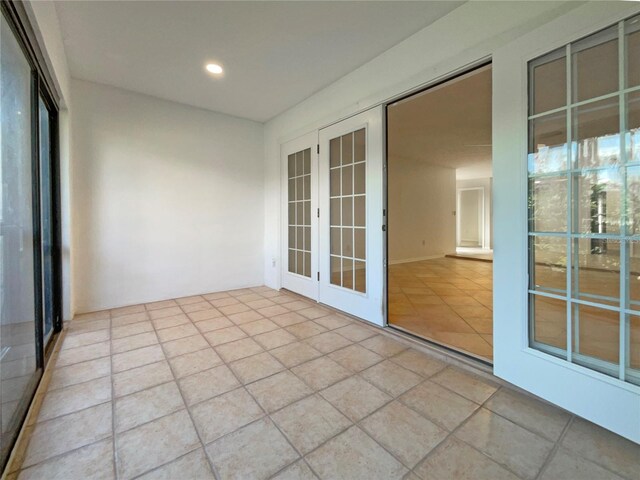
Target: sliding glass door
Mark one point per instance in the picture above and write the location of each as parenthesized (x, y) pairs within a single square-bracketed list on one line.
[(18, 315), (29, 267)]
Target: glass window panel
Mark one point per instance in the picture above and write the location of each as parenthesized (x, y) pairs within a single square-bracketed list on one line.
[(335, 211), (299, 213), (549, 257), (596, 130), (548, 148), (347, 242), (550, 83), (336, 241), (359, 181), (361, 276), (334, 182), (299, 188), (347, 180), (292, 261), (307, 238), (300, 238), (17, 305), (548, 204), (634, 340), (299, 164), (307, 186), (292, 189), (549, 317), (596, 333), (360, 247), (334, 152), (291, 160), (292, 237), (336, 271), (307, 161), (307, 264), (599, 197), (300, 262), (347, 211), (595, 65), (359, 145), (307, 212), (347, 149), (633, 269), (347, 273), (292, 213), (633, 127), (632, 27), (597, 262), (359, 211), (633, 200)]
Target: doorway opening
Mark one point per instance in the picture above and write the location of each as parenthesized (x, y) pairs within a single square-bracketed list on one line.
[(439, 239)]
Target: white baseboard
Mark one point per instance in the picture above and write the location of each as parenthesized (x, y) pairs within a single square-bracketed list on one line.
[(418, 259)]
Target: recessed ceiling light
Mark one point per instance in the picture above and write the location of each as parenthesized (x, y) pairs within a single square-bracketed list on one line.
[(214, 68)]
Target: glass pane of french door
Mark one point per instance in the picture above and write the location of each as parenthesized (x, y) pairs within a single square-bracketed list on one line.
[(347, 178), (299, 208), (17, 287), (299, 212), (584, 199)]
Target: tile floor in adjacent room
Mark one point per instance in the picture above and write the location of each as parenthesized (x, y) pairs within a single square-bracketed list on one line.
[(448, 300), (259, 384)]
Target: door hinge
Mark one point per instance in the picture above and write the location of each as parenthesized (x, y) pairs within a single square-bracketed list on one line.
[(384, 228), (318, 276), (318, 213), (318, 149)]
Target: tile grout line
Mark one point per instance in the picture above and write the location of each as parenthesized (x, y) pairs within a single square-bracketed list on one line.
[(113, 405), (193, 423), (452, 434), (556, 446)]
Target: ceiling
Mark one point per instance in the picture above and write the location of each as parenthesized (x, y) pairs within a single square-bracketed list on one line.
[(448, 126), (275, 54)]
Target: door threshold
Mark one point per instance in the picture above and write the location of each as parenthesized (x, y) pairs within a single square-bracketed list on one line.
[(468, 359)]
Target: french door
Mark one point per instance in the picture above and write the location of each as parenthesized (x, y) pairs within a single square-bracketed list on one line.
[(351, 215), (300, 214), (332, 247), (567, 216)]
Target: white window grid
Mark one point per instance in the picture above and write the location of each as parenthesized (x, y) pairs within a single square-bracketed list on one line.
[(626, 308), (357, 262), (299, 212)]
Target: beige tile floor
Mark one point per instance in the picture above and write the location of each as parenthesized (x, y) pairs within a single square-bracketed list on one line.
[(259, 384), (448, 300)]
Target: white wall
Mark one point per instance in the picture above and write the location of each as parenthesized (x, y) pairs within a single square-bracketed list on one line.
[(422, 199), (167, 199), (485, 183), (471, 32)]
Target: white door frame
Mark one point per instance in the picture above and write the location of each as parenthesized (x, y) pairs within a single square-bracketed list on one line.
[(481, 218), (298, 283), (368, 306), (599, 398)]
